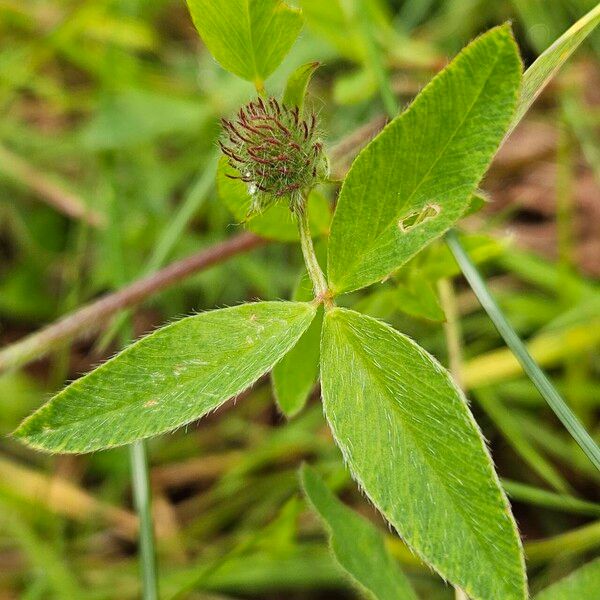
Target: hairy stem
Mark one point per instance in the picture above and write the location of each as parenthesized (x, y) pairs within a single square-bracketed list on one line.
[(312, 264)]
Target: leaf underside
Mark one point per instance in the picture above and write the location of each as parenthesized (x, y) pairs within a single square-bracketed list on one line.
[(415, 179), (411, 443), (169, 378)]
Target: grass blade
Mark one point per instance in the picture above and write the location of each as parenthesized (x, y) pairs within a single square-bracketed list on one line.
[(521, 492), (141, 491), (550, 61), (513, 341)]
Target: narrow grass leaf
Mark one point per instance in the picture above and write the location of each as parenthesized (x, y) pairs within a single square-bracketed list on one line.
[(412, 444), (559, 502), (582, 584), (169, 378), (509, 428), (416, 178), (250, 38), (560, 408), (356, 544), (551, 60)]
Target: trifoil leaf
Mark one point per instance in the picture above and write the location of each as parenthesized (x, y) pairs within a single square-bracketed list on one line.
[(169, 378), (415, 179), (357, 544), (247, 37), (410, 441)]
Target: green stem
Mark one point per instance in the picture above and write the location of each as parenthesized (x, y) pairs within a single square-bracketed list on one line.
[(141, 493), (137, 451), (312, 264), (531, 368), (528, 494)]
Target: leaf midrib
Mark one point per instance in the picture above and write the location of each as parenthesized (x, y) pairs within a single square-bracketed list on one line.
[(381, 386)]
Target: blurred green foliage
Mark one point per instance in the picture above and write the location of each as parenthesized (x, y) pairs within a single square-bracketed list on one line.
[(115, 104)]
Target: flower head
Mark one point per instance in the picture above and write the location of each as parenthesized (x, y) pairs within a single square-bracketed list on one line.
[(277, 152)]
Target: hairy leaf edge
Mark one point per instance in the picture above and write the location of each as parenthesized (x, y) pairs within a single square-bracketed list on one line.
[(506, 29), (21, 433), (505, 501)]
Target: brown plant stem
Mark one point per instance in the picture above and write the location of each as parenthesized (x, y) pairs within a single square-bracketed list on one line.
[(92, 316), (54, 194)]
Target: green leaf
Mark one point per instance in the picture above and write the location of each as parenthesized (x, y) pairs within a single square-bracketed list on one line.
[(297, 83), (411, 443), (551, 60), (169, 378), (418, 299), (415, 179), (582, 584), (354, 87), (275, 223), (336, 23), (357, 545), (295, 375), (247, 37)]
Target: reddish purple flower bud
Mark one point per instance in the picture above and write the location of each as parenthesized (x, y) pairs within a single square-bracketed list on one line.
[(276, 152)]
